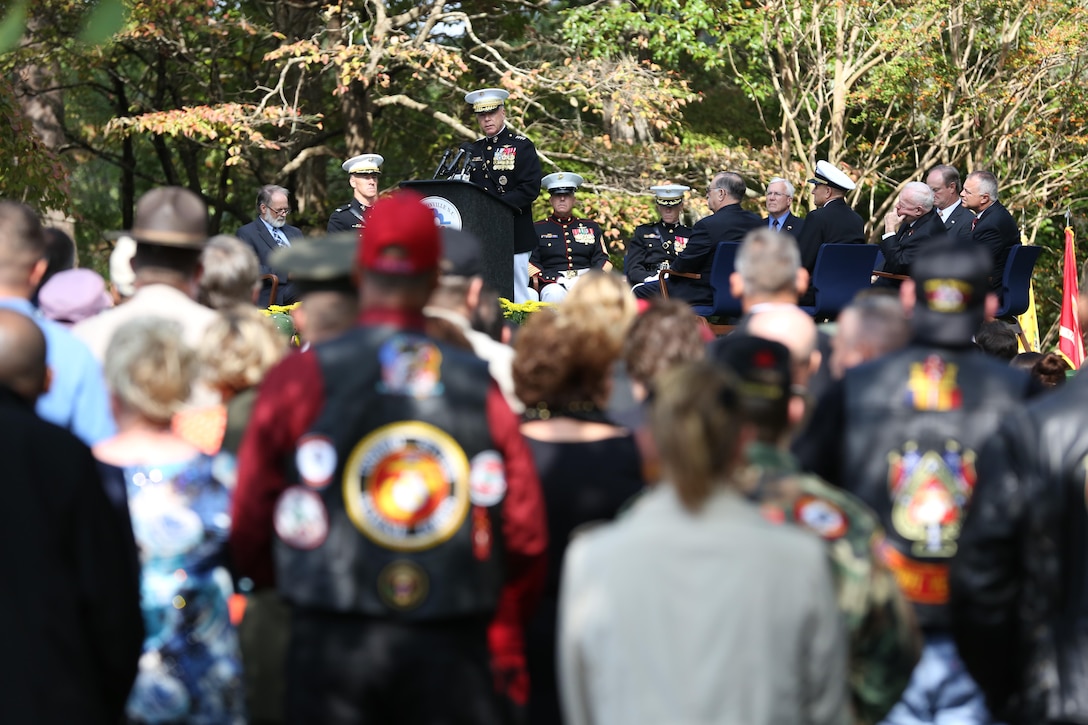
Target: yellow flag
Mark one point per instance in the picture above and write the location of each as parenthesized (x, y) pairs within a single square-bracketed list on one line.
[(1029, 323)]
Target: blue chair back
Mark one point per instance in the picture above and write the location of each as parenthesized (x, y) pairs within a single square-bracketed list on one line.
[(1016, 282), (842, 270), (725, 304)]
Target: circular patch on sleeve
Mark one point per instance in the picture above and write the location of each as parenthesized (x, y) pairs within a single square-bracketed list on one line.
[(315, 459), (487, 479), (823, 517), (403, 585), (405, 486), (300, 518)]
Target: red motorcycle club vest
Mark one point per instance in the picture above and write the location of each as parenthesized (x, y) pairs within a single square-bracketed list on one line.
[(396, 507)]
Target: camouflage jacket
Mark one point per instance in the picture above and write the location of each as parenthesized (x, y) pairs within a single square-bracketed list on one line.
[(884, 640)]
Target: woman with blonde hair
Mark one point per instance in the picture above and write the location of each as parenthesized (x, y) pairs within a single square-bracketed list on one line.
[(693, 607), (588, 466), (190, 670)]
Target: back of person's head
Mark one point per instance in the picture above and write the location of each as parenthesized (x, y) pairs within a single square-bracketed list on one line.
[(22, 243), (767, 264), (602, 299), (695, 423), (149, 368), (764, 381), (160, 263), (239, 347), (560, 365), (997, 339), (871, 326), (22, 355), (1025, 361), (60, 253), (662, 337), (732, 183), (399, 253), (326, 314), (231, 273), (1050, 370), (791, 326)]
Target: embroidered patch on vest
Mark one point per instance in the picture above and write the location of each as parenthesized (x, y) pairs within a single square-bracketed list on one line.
[(411, 365), (929, 491), (406, 486), (315, 459), (487, 479), (933, 386), (823, 517), (403, 585), (300, 518)]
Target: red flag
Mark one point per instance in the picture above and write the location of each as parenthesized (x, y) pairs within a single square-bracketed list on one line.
[(1070, 342)]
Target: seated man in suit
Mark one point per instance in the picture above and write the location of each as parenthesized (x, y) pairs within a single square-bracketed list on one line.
[(907, 228), (267, 232), (728, 223), (944, 180), (993, 227), (779, 217)]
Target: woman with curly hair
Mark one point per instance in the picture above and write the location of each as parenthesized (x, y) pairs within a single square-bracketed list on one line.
[(588, 466), (190, 670)]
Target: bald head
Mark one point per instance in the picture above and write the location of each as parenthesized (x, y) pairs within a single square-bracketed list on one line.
[(22, 355), (792, 327)]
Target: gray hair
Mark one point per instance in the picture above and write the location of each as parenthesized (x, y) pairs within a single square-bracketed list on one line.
[(779, 180), (231, 272), (987, 183), (919, 193), (266, 192), (768, 261)]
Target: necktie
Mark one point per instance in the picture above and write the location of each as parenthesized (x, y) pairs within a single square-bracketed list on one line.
[(973, 223), (774, 225), (281, 239)]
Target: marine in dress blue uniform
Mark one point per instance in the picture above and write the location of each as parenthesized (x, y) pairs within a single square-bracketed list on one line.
[(569, 246), (363, 172), (657, 244), (506, 164)]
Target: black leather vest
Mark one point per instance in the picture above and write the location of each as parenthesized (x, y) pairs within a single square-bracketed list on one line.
[(397, 507), (916, 420)]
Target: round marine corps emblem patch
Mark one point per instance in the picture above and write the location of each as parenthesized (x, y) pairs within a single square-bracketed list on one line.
[(406, 486), (823, 517)]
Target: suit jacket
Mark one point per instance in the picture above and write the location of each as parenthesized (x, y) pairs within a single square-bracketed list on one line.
[(792, 224), (729, 224), (257, 236), (901, 250), (998, 231), (833, 223), (959, 222), (71, 582)]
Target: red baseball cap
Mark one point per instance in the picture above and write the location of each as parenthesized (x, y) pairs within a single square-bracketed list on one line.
[(400, 236)]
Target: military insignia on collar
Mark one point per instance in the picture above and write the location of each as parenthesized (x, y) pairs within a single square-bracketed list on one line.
[(582, 234), (411, 365), (504, 158), (403, 585), (929, 490), (300, 518), (823, 517), (406, 486), (933, 386), (680, 243)]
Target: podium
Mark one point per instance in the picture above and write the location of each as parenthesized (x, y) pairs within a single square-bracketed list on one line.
[(463, 205)]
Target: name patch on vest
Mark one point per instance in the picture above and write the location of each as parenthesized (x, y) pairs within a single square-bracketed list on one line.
[(406, 486), (411, 366), (300, 518)]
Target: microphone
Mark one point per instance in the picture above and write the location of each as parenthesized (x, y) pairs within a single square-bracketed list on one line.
[(442, 169), (462, 171)]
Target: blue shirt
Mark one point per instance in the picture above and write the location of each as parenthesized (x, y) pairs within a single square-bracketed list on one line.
[(77, 398), (781, 220)]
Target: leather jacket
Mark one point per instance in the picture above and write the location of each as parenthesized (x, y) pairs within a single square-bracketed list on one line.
[(1019, 583)]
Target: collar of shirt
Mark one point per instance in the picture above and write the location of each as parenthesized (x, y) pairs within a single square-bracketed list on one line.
[(271, 229), (781, 219), (404, 319), (947, 211)]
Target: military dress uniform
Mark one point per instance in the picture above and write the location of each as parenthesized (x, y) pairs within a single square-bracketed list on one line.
[(567, 249), (652, 245), (347, 217)]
